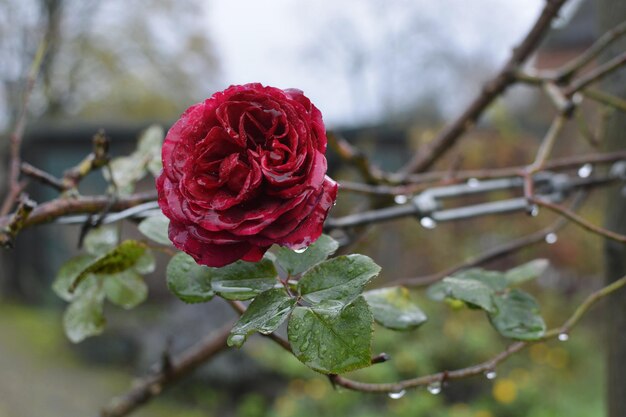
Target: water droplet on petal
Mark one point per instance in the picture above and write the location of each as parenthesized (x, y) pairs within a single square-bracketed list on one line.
[(585, 171), (563, 337), (301, 250), (473, 182), (400, 199), (428, 223), (551, 238), (397, 395), (491, 374), (434, 388)]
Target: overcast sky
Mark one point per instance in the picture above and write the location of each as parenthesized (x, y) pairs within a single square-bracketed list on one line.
[(272, 41)]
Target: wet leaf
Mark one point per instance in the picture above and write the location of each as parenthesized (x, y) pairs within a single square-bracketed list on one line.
[(83, 317), (68, 274), (526, 272), (189, 281), (471, 291), (393, 308), (517, 316), (243, 280), (100, 240), (127, 170), (266, 312), (125, 256), (337, 281), (126, 289), (332, 340), (295, 263), (155, 228)]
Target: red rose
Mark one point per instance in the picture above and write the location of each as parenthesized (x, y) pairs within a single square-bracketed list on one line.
[(243, 170)]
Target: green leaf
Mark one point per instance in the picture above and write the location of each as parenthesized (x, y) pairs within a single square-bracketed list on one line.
[(68, 274), (332, 341), (126, 289), (101, 240), (146, 263), (189, 281), (243, 280), (392, 308), (493, 279), (149, 148), (125, 256), (83, 317), (127, 170), (469, 290), (295, 263), (338, 280), (155, 228), (526, 272), (266, 312), (517, 316)]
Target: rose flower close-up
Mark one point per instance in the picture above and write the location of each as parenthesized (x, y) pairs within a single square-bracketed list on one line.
[(244, 170)]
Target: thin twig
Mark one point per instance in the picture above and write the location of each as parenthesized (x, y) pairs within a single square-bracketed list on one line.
[(493, 89), (41, 176), (605, 98), (152, 385), (52, 210), (564, 73), (585, 306), (490, 255), (596, 74), (371, 174), (579, 220), (17, 135)]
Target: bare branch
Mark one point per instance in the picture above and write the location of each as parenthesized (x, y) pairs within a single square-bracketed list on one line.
[(568, 70), (579, 220), (596, 74), (448, 137), (15, 188), (152, 385)]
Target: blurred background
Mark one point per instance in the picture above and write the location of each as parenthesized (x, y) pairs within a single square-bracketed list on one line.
[(386, 74)]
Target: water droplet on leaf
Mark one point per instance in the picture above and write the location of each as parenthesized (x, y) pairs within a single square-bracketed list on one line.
[(434, 388), (563, 337), (397, 395), (551, 238), (585, 171), (301, 250), (400, 199), (236, 340), (428, 223), (534, 210)]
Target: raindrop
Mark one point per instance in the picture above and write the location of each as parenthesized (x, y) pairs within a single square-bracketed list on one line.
[(491, 374), (434, 388), (301, 250), (400, 199), (534, 210), (428, 223), (585, 171), (563, 337), (473, 182), (397, 395), (236, 340), (551, 238)]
